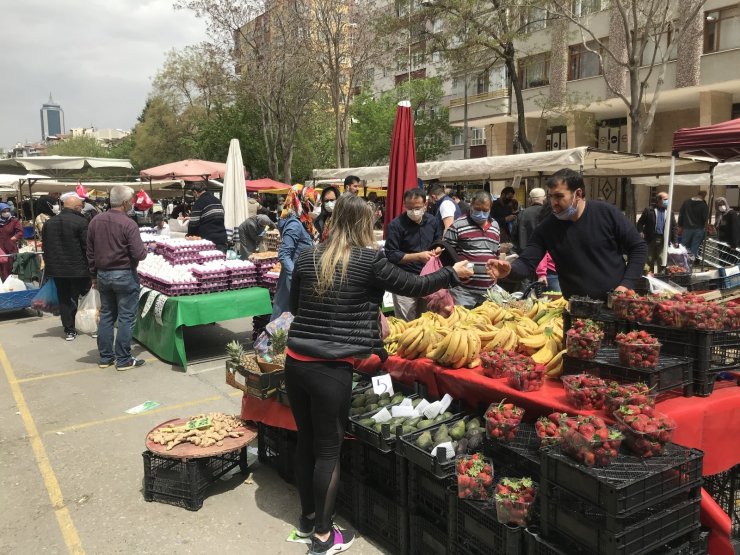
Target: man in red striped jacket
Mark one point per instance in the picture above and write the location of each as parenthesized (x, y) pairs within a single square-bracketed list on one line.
[(476, 238)]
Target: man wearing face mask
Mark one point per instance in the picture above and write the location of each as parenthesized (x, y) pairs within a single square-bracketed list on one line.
[(651, 226), (476, 238), (65, 247), (442, 206), (587, 241), (727, 223), (408, 244)]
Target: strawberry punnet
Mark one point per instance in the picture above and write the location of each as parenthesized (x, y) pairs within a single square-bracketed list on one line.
[(514, 497), (474, 477), (496, 362), (646, 430), (627, 394), (584, 391), (584, 339), (628, 305), (638, 349), (526, 380), (548, 428), (502, 421), (588, 440), (687, 310)]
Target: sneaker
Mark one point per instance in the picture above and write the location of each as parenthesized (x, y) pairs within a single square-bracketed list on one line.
[(305, 527), (105, 364), (133, 363), (339, 540), (70, 336)]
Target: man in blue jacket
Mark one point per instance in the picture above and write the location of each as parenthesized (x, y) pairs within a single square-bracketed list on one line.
[(408, 244)]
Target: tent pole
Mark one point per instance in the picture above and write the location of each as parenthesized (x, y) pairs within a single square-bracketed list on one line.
[(709, 213), (669, 216)]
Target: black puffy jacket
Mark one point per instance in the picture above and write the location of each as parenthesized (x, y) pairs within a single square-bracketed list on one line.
[(65, 244), (345, 321)]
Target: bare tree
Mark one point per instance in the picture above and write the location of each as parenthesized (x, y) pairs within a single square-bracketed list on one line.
[(270, 45)]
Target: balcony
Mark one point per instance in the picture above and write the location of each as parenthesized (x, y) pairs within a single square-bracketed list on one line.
[(490, 104), (491, 95)]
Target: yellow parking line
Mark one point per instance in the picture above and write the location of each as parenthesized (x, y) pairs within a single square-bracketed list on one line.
[(83, 425), (70, 373), (69, 532)]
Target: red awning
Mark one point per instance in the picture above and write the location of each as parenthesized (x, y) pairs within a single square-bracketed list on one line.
[(187, 170), (720, 141), (265, 185)]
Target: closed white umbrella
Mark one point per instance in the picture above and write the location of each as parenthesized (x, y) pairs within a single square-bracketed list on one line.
[(234, 195)]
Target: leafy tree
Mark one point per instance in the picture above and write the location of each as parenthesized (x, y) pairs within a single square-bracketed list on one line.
[(160, 137), (84, 145), (373, 118)]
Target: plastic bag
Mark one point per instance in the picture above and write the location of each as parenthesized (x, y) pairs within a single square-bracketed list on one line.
[(441, 301), (88, 312), (679, 256), (13, 284), (142, 201), (658, 286), (47, 299)]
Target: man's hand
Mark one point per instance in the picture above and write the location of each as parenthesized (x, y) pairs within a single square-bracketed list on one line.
[(94, 283), (436, 251), (462, 270), (424, 256), (542, 279), (498, 269), (621, 288)]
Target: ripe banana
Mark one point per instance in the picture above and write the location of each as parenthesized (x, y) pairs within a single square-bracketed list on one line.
[(546, 353)]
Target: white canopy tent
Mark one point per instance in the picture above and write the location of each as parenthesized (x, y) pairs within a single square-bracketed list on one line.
[(591, 162), (60, 165), (722, 174)]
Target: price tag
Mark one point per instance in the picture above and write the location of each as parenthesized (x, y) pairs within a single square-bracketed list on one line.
[(421, 406), (407, 402), (382, 384), (199, 423), (447, 447), (400, 410), (387, 300), (432, 411), (382, 416), (445, 403)]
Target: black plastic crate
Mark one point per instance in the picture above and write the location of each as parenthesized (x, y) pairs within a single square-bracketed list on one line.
[(346, 500), (436, 463), (479, 533), (382, 519), (427, 538), (276, 449), (605, 318), (593, 529), (386, 472), (670, 373), (535, 544), (429, 496), (629, 483), (184, 482), (584, 307), (725, 490), (522, 454)]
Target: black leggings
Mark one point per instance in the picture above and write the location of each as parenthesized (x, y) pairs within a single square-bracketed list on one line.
[(319, 394)]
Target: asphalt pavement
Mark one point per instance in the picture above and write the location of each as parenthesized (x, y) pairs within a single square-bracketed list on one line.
[(71, 457)]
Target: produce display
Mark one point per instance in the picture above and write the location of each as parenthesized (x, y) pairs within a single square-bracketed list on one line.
[(588, 440), (548, 428), (421, 414), (626, 394), (203, 430), (584, 391), (584, 339), (584, 307), (474, 477), (514, 498), (646, 431), (686, 310), (191, 250), (368, 401), (628, 305), (465, 437), (502, 421), (268, 268), (530, 379), (638, 349)]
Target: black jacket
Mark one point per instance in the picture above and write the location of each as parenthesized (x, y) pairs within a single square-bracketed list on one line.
[(728, 228), (647, 221), (345, 321), (405, 236), (65, 245), (207, 219)]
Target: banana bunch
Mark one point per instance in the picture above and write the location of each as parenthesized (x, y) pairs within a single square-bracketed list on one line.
[(554, 368), (397, 326), (459, 348), (416, 341)]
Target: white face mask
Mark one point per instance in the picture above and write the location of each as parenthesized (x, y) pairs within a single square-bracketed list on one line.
[(316, 211), (329, 206), (415, 215), (722, 208)]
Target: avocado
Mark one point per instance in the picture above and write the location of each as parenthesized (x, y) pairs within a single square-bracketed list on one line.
[(372, 407), (424, 441), (358, 401), (406, 429), (366, 422), (413, 421), (447, 414), (383, 402), (442, 435), (472, 423), (424, 424), (385, 395), (462, 447), (397, 398), (440, 418), (475, 442), (372, 399), (473, 431), (458, 430), (377, 428)]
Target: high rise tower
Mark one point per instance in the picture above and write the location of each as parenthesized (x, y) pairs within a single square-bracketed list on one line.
[(52, 119)]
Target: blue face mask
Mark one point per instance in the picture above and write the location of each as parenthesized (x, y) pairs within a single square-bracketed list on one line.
[(664, 204), (479, 216), (569, 212)]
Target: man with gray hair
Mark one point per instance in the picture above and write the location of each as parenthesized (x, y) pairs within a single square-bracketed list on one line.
[(114, 249), (529, 218)]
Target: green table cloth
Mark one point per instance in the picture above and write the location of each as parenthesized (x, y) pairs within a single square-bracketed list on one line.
[(166, 340)]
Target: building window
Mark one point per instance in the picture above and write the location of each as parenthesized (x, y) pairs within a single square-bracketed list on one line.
[(582, 8), (436, 57), (722, 29), (534, 19), (582, 62), (534, 71), (481, 83), (498, 79), (457, 138), (664, 41), (477, 136), (418, 59), (370, 75)]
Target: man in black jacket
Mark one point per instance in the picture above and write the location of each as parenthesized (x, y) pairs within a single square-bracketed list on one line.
[(207, 217), (651, 226), (408, 245), (65, 244)]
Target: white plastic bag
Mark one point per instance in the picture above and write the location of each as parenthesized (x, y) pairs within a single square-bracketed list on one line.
[(13, 284), (657, 286), (679, 256), (88, 312)]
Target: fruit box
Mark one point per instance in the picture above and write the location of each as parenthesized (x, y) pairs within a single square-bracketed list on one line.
[(430, 496), (584, 397), (638, 355), (630, 483), (382, 519), (427, 537), (633, 310), (522, 453), (478, 531), (513, 509), (474, 477), (527, 380), (643, 443), (384, 472), (254, 384), (590, 452), (584, 307)]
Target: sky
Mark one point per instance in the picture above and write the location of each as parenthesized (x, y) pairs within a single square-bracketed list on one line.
[(96, 57)]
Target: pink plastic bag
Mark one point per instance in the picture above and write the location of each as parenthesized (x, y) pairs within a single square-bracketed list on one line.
[(142, 201), (441, 301)]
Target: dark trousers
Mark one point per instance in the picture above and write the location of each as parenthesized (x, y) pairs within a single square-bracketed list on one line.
[(69, 291), (319, 394)]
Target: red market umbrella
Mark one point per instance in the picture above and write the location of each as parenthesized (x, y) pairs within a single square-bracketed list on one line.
[(720, 141), (265, 185), (187, 170), (402, 167)]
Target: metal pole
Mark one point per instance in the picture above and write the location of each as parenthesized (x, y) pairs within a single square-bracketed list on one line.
[(466, 133), (668, 217), (410, 4)]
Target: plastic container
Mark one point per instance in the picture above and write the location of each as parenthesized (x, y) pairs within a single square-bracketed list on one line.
[(584, 307), (584, 397), (646, 444), (474, 477), (638, 309), (698, 316), (503, 428), (382, 519), (638, 355), (591, 452), (493, 365), (513, 513), (627, 394), (527, 380), (579, 347), (521, 453)]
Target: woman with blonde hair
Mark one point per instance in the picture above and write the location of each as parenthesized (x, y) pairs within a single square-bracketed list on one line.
[(336, 295)]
